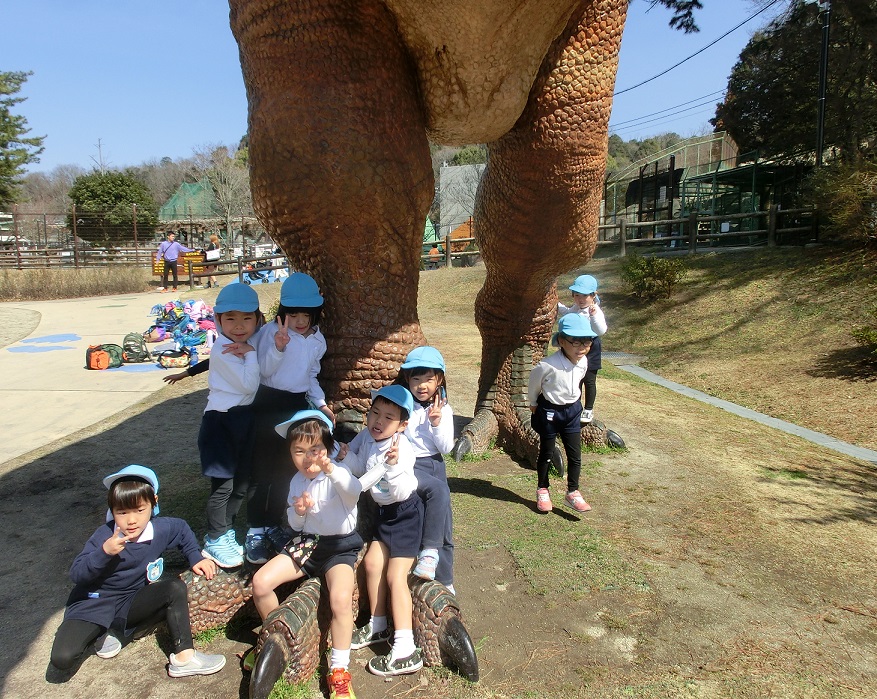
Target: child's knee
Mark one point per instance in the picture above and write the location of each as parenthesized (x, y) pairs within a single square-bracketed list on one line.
[(64, 658)]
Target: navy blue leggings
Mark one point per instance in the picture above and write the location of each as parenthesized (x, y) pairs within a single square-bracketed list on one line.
[(438, 525)]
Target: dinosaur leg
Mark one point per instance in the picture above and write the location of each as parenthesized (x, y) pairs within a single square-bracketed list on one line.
[(536, 216), (340, 174)]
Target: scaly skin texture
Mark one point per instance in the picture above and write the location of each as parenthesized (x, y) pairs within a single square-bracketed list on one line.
[(342, 96)]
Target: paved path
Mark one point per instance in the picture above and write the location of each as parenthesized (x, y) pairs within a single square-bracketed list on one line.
[(810, 435), (46, 392)]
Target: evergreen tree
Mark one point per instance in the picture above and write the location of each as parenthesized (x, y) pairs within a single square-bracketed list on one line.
[(104, 208), (771, 100), (16, 148)]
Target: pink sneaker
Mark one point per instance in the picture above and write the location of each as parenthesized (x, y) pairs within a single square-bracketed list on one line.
[(543, 500), (575, 500)]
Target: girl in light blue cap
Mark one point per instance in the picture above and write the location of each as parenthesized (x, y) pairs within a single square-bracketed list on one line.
[(431, 433), (586, 303), (554, 392), (290, 350)]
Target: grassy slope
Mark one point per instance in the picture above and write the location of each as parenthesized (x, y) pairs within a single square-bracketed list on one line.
[(768, 329)]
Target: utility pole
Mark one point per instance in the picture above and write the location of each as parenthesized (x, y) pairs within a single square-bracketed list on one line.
[(825, 14)]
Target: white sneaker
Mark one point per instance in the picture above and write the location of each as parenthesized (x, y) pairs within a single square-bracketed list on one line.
[(587, 417), (107, 646)]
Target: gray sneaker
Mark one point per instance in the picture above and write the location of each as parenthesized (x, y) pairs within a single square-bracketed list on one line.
[(107, 646), (383, 666), (363, 637), (200, 664)]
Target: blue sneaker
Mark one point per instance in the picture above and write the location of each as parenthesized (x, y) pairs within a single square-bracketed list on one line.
[(220, 552), (233, 542), (257, 549), (278, 537)]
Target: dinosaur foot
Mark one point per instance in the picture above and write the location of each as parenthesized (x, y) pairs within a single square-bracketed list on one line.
[(477, 436), (439, 630), (270, 664), (596, 434)]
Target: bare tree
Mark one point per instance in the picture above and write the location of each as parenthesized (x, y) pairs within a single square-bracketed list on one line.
[(229, 179)]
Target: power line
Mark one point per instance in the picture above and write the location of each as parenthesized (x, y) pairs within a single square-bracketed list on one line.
[(709, 97), (699, 51), (662, 122)]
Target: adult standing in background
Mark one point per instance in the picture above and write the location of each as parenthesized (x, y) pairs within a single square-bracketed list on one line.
[(169, 251), (212, 246)]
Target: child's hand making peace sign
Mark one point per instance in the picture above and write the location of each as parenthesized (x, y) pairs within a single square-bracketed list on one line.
[(435, 409), (303, 503), (281, 337), (391, 458)]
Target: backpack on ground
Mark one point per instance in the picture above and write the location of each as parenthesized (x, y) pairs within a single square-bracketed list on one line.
[(106, 356), (134, 349), (174, 359)]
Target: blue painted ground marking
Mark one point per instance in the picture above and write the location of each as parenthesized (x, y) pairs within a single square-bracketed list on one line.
[(68, 337), (138, 368)]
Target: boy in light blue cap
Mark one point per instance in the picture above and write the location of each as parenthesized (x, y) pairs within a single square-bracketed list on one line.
[(119, 588), (383, 445), (586, 303), (554, 392)]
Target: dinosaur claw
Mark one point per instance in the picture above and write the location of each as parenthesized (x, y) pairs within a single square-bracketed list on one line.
[(614, 440), (462, 447), (557, 460), (269, 667), (457, 649)]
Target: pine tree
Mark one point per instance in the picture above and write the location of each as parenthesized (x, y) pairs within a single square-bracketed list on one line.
[(16, 148)]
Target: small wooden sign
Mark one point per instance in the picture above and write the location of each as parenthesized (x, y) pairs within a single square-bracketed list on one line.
[(196, 257)]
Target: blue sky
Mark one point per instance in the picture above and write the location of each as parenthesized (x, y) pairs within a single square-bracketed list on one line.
[(159, 78)]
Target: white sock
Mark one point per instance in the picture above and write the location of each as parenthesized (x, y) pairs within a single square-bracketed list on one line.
[(403, 644), (379, 623), (339, 658)]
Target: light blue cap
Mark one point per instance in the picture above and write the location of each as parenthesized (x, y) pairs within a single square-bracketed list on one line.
[(424, 357), (237, 297), (397, 394), (575, 325), (135, 472), (283, 428), (585, 284), (299, 290)]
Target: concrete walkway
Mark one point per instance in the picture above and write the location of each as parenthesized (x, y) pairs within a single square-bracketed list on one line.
[(810, 435), (46, 392)]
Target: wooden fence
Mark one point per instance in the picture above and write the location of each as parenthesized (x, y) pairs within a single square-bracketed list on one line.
[(770, 228)]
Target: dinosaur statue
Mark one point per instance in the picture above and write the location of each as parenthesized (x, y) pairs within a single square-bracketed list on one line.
[(344, 98)]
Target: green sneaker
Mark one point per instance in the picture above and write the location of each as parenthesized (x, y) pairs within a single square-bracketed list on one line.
[(383, 666), (363, 637)]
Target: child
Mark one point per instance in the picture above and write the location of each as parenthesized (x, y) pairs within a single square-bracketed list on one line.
[(322, 513), (587, 304), (111, 594), (398, 530), (290, 351), (225, 440), (554, 393), (431, 433)]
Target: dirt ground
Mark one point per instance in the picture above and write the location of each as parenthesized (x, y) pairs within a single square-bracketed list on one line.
[(749, 557)]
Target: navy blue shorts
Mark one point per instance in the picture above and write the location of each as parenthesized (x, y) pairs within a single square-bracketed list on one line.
[(400, 526), (331, 551), (550, 420)]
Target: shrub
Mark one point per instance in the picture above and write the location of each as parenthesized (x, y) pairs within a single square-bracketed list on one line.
[(867, 336), (846, 194), (652, 277)]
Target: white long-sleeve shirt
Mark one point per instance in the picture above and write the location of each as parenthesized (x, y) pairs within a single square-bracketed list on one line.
[(386, 484), (233, 380), (296, 368), (334, 509), (598, 320), (558, 379), (425, 439)]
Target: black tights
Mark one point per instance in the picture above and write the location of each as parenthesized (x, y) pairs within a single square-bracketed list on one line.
[(163, 600), (589, 386), (572, 445)]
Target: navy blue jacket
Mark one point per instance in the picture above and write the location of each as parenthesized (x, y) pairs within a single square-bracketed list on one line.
[(105, 585)]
